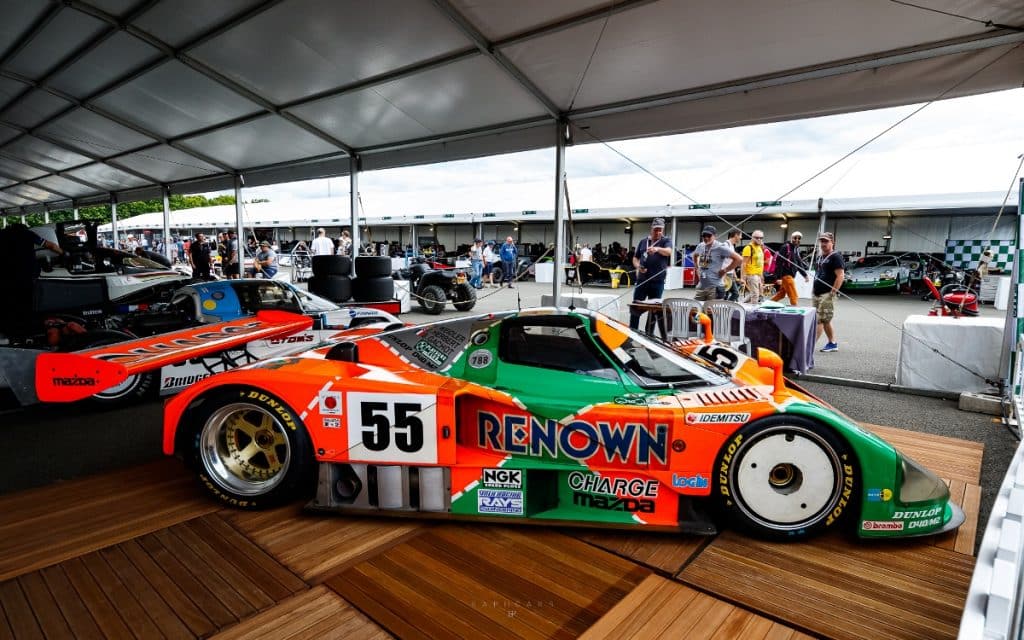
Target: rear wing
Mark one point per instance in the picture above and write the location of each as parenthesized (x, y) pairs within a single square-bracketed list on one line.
[(36, 376)]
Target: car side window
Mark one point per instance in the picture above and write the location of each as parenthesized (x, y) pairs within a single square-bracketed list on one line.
[(562, 348)]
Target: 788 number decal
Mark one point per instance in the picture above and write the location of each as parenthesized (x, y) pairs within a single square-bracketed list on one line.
[(392, 427)]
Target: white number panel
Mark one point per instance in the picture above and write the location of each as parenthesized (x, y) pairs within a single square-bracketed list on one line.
[(392, 427)]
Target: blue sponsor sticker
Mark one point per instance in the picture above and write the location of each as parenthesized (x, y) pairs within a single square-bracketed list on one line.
[(879, 495), (505, 502)]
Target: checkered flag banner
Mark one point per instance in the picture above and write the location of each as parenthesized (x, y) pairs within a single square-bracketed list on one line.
[(966, 254)]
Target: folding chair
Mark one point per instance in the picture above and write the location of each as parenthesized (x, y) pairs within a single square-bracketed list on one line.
[(677, 312), (722, 312)]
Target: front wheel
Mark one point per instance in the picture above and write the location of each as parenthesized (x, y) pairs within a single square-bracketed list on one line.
[(432, 299), (786, 477), (250, 449)]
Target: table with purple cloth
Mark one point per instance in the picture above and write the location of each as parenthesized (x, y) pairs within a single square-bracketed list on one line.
[(788, 331)]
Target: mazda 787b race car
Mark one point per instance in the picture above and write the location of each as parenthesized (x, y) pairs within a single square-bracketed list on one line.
[(547, 416)]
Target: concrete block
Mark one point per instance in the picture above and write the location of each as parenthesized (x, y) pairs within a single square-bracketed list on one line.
[(981, 403)]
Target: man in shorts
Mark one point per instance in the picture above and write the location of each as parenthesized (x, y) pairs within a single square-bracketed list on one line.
[(713, 259), (828, 278)]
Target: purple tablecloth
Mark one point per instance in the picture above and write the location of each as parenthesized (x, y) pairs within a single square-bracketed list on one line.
[(788, 331)]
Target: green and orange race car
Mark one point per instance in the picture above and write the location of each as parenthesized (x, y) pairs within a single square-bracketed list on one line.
[(548, 416)]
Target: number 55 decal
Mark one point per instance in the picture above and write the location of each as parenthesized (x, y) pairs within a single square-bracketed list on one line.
[(392, 427)]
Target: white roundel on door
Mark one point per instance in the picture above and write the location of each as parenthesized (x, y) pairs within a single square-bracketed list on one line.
[(392, 427)]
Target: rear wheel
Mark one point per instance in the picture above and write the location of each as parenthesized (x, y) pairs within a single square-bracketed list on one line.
[(465, 297), (786, 477), (134, 388), (250, 449), (432, 299)]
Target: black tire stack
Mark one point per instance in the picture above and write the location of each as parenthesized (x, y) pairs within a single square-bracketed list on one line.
[(331, 278), (373, 282)]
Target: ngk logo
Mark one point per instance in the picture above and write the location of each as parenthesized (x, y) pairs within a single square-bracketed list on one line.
[(503, 478)]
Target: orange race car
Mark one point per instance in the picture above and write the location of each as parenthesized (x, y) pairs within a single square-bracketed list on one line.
[(547, 416)]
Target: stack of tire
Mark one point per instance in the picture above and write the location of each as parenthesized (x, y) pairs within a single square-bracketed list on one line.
[(373, 281), (331, 278)]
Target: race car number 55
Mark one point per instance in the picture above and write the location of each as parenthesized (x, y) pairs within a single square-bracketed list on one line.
[(392, 427)]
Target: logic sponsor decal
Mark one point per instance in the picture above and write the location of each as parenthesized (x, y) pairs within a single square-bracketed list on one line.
[(717, 418), (632, 487), (505, 502), (881, 525), (173, 382), (73, 381), (630, 443), (879, 495), (299, 339), (924, 524), (332, 423), (690, 482), (503, 478), (610, 503), (330, 403)]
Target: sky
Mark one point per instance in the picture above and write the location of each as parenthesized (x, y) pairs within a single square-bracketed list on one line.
[(959, 145)]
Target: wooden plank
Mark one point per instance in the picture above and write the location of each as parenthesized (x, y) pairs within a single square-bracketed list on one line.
[(318, 613), (966, 535), (41, 603), (278, 582), (490, 581), (77, 616), (838, 588), (175, 595), (663, 551), (127, 607), (19, 615), (151, 600), (68, 519), (947, 457), (103, 612), (662, 608), (317, 545)]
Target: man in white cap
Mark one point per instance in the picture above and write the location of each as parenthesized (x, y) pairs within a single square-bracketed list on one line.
[(651, 259), (322, 245)]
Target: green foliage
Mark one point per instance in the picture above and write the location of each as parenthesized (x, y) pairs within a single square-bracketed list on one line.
[(128, 209)]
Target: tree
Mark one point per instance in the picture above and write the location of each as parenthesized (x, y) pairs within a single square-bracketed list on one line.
[(127, 210)]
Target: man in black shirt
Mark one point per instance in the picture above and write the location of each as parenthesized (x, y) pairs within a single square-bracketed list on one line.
[(20, 268), (787, 264), (199, 256), (828, 278)]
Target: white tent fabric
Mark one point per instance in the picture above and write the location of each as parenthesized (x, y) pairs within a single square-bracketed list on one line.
[(119, 97)]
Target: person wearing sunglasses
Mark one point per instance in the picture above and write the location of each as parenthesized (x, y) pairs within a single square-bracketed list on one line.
[(753, 266)]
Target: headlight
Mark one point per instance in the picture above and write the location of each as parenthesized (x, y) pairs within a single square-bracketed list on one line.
[(888, 275), (920, 484)]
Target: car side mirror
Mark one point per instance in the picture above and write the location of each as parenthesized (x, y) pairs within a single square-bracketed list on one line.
[(771, 360)]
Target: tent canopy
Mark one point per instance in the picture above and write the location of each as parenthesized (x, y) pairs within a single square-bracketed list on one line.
[(119, 97)]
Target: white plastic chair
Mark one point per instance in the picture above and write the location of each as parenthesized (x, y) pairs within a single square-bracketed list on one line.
[(722, 312), (678, 313)]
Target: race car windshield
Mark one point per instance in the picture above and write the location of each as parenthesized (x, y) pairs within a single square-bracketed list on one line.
[(878, 261), (658, 365), (312, 303)]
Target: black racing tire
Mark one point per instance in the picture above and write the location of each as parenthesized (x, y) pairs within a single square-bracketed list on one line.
[(249, 449), (786, 478), (332, 266), (135, 387), (465, 297), (378, 289), (373, 266), (334, 288), (432, 299)]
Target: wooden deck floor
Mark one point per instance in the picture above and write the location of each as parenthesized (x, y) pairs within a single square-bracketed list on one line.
[(142, 553)]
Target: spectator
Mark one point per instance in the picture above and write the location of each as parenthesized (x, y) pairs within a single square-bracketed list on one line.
[(233, 268), (476, 263), (509, 254), (753, 266), (788, 263), (344, 244), (586, 255), (322, 245), (651, 260), (223, 252), (714, 259), (155, 256), (489, 257), (828, 278), (731, 281), (265, 263), (199, 257), (20, 268)]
